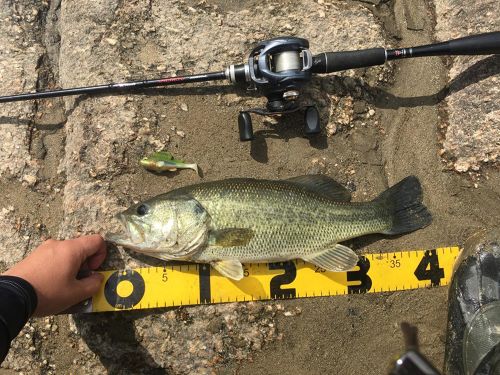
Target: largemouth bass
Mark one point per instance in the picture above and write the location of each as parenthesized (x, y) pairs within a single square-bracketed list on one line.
[(228, 222)]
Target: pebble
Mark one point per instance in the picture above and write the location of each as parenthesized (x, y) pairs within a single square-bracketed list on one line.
[(184, 107), (29, 179), (462, 165), (331, 129), (111, 41)]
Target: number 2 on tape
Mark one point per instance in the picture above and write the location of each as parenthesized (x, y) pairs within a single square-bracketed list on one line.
[(283, 279)]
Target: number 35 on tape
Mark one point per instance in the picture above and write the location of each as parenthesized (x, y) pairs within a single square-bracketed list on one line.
[(191, 284)]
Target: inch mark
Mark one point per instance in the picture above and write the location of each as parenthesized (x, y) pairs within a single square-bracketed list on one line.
[(204, 273)]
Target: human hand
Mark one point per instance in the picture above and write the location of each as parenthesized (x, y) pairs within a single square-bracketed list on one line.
[(52, 269)]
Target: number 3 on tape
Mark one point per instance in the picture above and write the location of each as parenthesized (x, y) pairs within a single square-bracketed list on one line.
[(364, 282)]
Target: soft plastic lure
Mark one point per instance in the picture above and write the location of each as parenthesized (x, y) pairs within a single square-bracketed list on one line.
[(162, 161)]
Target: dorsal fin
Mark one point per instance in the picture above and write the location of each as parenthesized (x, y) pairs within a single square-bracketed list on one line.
[(324, 185)]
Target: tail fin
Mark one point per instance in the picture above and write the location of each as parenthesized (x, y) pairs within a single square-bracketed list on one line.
[(404, 202)]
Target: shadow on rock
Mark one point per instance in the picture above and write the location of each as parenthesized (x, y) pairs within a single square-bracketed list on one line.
[(481, 70), (259, 149), (113, 338)]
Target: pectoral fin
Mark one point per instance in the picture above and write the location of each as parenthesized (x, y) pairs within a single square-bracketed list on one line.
[(230, 237), (229, 268), (338, 258)]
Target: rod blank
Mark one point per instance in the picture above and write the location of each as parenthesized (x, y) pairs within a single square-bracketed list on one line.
[(116, 87)]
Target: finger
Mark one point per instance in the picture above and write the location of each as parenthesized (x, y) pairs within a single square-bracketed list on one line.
[(87, 245), (88, 286), (94, 261)]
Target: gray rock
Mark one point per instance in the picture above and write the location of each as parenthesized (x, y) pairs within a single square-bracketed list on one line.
[(473, 102), (20, 50)]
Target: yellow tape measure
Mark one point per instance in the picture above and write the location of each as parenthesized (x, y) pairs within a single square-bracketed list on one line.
[(192, 284)]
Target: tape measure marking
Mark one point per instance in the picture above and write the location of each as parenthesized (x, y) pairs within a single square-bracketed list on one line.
[(189, 284)]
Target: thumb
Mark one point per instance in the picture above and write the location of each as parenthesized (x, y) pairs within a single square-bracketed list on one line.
[(89, 286)]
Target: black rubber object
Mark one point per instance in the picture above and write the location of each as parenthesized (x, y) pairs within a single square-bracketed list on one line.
[(329, 62), (245, 126), (311, 121)]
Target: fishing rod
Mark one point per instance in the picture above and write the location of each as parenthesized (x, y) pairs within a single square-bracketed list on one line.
[(280, 67)]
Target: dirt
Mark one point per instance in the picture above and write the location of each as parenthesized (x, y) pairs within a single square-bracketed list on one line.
[(380, 125)]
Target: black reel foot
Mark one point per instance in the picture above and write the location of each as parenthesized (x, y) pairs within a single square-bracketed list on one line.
[(245, 126), (311, 121)]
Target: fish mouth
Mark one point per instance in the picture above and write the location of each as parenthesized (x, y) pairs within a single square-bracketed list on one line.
[(132, 235)]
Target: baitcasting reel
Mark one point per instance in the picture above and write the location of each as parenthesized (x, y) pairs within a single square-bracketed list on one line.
[(280, 67)]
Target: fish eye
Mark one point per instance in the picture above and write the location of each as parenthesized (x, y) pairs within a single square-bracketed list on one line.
[(142, 210)]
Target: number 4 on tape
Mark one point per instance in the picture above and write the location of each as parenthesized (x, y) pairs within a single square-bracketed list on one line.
[(191, 284)]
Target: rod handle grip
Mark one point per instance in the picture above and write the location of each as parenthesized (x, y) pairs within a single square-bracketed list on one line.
[(481, 44), (329, 62)]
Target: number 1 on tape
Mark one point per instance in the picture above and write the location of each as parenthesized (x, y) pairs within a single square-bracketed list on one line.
[(191, 284)]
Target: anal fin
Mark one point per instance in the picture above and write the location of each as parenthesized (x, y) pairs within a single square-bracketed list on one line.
[(337, 258), (229, 268)]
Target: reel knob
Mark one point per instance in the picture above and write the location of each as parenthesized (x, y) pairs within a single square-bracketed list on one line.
[(245, 126), (311, 121)]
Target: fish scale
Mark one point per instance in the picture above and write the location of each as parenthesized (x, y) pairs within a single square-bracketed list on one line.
[(287, 219)]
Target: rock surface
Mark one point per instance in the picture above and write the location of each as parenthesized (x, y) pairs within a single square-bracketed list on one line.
[(69, 165)]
